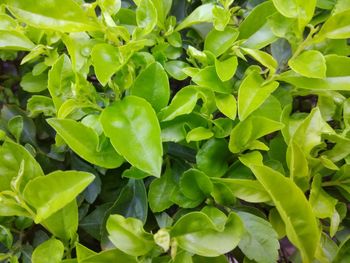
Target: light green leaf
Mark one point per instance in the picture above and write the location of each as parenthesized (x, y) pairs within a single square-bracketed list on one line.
[(134, 131), (335, 27), (128, 235), (13, 40), (33, 84), (110, 255), (249, 130), (106, 62), (38, 104), (226, 69), (51, 251), (57, 15), (301, 10), (252, 93), (99, 153), (195, 184), (260, 241), (301, 224), (199, 134), (63, 223), (263, 58), (146, 16), (227, 104), (48, 194), (174, 68), (208, 78), (201, 14), (153, 85), (248, 190), (310, 63), (226, 39), (197, 233), (343, 254)]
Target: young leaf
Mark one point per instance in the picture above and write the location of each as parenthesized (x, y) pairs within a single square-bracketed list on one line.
[(153, 85), (336, 27), (146, 16), (105, 59), (134, 131), (208, 78), (310, 63), (58, 15), (50, 251), (226, 69), (226, 39), (252, 93), (48, 194), (102, 154), (13, 40), (128, 235), (195, 184), (201, 14), (301, 224)]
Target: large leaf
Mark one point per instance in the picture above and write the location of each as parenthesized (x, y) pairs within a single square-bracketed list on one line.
[(90, 149), (336, 27), (260, 242), (50, 251), (48, 194), (153, 85), (301, 224), (134, 130), (59, 15), (128, 235), (310, 63)]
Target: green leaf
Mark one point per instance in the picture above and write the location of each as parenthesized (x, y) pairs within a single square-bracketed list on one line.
[(57, 15), (63, 223), (160, 192), (208, 78), (33, 84), (197, 233), (244, 134), (226, 39), (60, 79), (201, 14), (227, 104), (51, 251), (195, 184), (128, 235), (110, 255), (90, 149), (263, 58), (134, 130), (153, 85), (38, 104), (174, 68), (301, 10), (48, 194), (252, 93), (106, 62), (310, 63), (335, 27), (343, 254), (212, 157), (260, 242), (146, 16), (199, 134), (11, 157), (248, 190), (6, 237), (13, 40), (301, 224), (226, 69)]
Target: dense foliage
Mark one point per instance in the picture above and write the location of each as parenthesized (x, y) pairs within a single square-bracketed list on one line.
[(174, 131)]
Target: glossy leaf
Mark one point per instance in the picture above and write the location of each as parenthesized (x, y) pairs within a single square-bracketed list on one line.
[(301, 224), (13, 40), (226, 69), (91, 149), (208, 78), (201, 14), (153, 85), (133, 128), (48, 194), (336, 27), (310, 64), (64, 16), (51, 251), (226, 39), (252, 93), (146, 16), (127, 234)]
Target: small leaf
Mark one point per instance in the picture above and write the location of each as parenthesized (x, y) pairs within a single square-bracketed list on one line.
[(226, 39), (195, 184), (48, 194), (174, 68), (201, 14), (51, 251), (199, 134), (146, 16), (226, 69), (127, 234), (134, 131), (310, 63), (153, 85), (208, 78), (105, 59)]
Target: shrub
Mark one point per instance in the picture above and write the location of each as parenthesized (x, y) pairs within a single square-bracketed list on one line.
[(184, 131)]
